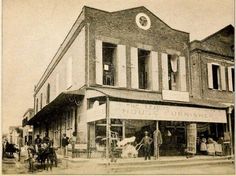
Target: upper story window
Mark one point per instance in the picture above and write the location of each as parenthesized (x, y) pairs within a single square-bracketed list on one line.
[(173, 72), (231, 81), (143, 21), (109, 54), (216, 76), (57, 83), (41, 101), (37, 104), (143, 69), (48, 94), (110, 62)]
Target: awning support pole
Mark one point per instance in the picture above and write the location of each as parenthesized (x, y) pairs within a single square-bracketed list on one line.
[(156, 146), (123, 129), (230, 130), (108, 130)]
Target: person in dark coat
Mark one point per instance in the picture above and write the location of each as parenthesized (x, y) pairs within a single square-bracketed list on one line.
[(146, 141), (157, 137), (64, 143), (37, 142), (46, 139)]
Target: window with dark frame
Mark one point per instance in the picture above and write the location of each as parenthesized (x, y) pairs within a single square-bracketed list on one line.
[(143, 56), (109, 57), (172, 72), (48, 94), (37, 102), (232, 73), (215, 76), (41, 101)]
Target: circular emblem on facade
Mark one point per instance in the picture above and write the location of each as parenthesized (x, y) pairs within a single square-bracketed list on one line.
[(143, 21)]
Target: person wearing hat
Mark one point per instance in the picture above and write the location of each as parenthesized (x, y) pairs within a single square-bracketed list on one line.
[(64, 143), (37, 142), (146, 141)]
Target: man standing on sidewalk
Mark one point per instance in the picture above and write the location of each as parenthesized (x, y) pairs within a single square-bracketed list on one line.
[(146, 145), (157, 137), (73, 142), (64, 143)]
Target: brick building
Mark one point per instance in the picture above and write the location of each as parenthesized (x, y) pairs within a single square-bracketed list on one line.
[(122, 73), (212, 73)]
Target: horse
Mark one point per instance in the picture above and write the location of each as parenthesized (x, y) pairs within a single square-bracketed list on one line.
[(45, 155)]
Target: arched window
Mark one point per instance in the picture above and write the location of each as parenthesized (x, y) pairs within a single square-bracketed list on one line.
[(48, 94), (41, 101), (37, 103)]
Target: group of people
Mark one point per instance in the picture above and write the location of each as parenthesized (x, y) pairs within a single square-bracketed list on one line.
[(210, 146), (65, 141)]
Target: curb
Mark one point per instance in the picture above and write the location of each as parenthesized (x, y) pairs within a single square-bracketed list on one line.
[(117, 168)]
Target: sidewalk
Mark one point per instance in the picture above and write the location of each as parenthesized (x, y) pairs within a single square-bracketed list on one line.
[(140, 160)]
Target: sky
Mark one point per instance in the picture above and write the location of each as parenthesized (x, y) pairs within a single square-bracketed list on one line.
[(32, 31)]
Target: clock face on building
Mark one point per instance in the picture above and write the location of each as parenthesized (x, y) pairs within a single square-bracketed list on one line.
[(143, 21)]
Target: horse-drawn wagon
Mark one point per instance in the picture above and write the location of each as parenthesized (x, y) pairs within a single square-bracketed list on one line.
[(41, 156)]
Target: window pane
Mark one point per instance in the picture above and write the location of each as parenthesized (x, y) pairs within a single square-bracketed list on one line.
[(143, 56), (215, 75), (109, 59)]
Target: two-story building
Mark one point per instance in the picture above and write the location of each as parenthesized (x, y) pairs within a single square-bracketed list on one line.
[(212, 75), (122, 73), (27, 129)]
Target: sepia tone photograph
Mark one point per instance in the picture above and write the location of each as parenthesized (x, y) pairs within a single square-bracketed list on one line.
[(121, 87)]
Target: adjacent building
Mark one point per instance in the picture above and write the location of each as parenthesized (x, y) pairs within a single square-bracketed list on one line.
[(212, 74), (27, 129), (15, 133), (124, 73)]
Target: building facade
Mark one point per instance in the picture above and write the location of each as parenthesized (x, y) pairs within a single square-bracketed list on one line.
[(15, 133), (212, 73), (122, 73), (27, 129)]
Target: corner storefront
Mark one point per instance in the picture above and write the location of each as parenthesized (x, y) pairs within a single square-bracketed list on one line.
[(181, 124)]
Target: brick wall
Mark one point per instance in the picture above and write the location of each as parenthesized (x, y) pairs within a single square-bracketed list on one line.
[(120, 27)]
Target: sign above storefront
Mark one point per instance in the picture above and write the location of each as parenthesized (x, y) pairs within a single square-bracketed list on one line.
[(138, 111)]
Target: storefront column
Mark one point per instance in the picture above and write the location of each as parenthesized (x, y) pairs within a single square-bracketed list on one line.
[(123, 129), (108, 128), (156, 146), (230, 130)]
